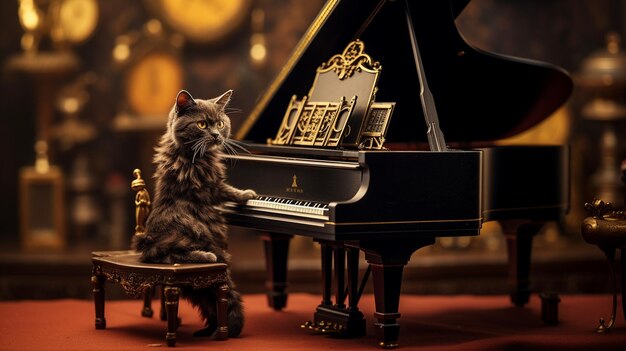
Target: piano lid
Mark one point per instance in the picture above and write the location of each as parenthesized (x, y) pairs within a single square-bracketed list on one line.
[(480, 96)]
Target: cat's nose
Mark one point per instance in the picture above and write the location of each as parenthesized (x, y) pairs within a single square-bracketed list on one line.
[(215, 135)]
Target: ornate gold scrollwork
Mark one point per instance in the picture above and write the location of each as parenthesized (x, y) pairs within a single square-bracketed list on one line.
[(134, 284), (603, 210), (353, 59)]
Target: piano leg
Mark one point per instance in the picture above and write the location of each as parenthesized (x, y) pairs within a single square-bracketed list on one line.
[(519, 240), (337, 319), (340, 277), (276, 253), (327, 273), (388, 258), (353, 279)]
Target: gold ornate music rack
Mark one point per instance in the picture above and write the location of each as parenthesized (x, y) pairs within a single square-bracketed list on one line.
[(339, 110)]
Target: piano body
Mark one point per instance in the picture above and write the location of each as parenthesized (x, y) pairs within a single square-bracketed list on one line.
[(389, 203)]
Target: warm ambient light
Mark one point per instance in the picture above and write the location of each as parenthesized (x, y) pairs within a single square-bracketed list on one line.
[(154, 27), (121, 52), (28, 15), (258, 51), (70, 105)]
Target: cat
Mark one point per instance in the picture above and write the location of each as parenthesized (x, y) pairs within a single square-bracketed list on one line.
[(185, 225)]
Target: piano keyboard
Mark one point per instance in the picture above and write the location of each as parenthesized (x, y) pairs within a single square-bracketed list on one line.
[(290, 205)]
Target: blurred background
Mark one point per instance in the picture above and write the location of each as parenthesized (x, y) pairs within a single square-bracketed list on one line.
[(86, 86)]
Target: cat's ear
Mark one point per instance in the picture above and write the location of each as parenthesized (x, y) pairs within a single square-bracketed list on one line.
[(184, 100), (223, 99)]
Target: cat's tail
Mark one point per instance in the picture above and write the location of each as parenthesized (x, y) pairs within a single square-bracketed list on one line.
[(235, 313), (205, 300), (146, 246), (141, 242)]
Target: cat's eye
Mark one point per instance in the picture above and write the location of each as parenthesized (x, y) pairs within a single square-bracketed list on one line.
[(220, 124), (202, 124)]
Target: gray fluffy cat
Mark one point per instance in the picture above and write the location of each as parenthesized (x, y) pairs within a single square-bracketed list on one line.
[(185, 225)]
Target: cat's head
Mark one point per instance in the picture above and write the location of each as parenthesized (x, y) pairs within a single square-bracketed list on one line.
[(199, 125)]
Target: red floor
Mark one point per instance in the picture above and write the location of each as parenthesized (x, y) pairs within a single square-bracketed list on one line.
[(427, 323)]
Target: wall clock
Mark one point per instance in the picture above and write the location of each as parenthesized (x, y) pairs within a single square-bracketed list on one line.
[(74, 20), (152, 82), (203, 21)]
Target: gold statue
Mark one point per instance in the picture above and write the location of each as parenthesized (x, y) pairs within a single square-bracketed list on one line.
[(142, 202)]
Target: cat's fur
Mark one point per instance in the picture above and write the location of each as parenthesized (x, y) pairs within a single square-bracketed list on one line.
[(185, 225)]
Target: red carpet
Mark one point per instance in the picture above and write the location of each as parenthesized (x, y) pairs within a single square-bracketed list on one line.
[(427, 323)]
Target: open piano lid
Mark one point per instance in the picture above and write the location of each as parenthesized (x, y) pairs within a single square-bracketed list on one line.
[(480, 96)]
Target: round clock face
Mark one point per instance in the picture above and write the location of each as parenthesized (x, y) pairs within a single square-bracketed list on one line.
[(152, 84), (204, 20), (77, 19)]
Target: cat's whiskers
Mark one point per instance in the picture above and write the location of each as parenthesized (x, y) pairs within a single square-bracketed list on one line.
[(230, 151), (195, 152), (230, 110), (199, 147), (236, 144), (227, 148)]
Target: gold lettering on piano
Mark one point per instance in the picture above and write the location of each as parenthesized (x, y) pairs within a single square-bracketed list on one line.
[(294, 186)]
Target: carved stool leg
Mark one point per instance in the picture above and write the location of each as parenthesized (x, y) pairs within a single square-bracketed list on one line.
[(222, 312), (162, 312), (98, 298), (172, 294), (147, 303)]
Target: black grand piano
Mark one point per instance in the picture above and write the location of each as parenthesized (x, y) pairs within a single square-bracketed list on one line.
[(390, 202)]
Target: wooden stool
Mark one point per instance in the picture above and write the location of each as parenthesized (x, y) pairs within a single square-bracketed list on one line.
[(137, 278)]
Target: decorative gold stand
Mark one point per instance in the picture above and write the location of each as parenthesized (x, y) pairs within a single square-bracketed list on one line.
[(142, 202), (607, 229)]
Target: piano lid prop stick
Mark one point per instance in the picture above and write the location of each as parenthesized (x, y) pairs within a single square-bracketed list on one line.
[(436, 140)]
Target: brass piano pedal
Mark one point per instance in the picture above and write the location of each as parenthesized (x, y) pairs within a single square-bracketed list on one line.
[(307, 325), (310, 325), (388, 345), (332, 328), (324, 327)]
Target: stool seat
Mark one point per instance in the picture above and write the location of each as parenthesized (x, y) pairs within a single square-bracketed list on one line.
[(137, 278)]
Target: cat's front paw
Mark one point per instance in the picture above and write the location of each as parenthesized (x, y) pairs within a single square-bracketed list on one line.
[(247, 194)]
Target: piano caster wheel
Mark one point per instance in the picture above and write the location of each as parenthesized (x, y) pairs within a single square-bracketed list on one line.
[(388, 345)]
